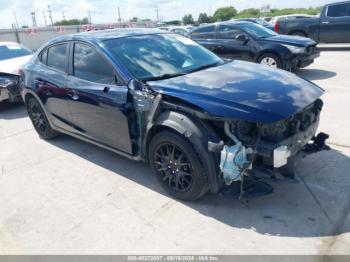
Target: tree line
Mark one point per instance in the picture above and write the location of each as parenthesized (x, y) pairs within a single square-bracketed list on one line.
[(229, 12)]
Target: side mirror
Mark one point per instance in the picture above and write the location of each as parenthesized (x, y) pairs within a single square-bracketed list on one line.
[(242, 38)]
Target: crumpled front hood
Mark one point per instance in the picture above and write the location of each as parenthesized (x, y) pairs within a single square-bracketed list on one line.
[(291, 40), (242, 90), (12, 65)]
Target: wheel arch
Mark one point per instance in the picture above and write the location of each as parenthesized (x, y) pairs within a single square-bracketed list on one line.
[(196, 132), (298, 31), (29, 95), (268, 51)]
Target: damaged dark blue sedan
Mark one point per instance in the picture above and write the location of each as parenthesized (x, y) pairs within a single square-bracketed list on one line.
[(201, 122)]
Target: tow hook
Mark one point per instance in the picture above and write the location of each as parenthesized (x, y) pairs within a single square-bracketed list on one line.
[(319, 144)]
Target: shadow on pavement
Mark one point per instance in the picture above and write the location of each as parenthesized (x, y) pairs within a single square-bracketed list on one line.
[(12, 110), (305, 207), (315, 74)]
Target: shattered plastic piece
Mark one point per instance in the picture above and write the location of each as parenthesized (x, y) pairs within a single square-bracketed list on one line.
[(280, 156), (234, 162)]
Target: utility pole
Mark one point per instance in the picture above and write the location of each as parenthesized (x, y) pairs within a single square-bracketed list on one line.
[(33, 19), (44, 15), (119, 19), (64, 17), (50, 16), (89, 17), (157, 10), (16, 22)]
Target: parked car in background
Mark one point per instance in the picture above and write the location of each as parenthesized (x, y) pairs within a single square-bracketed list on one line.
[(146, 94), (165, 28), (267, 19), (255, 43), (276, 19), (332, 26), (182, 30), (12, 57), (258, 21)]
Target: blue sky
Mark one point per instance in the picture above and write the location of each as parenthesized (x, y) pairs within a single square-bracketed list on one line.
[(104, 11)]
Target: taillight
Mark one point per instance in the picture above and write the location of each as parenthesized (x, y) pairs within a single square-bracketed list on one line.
[(277, 27)]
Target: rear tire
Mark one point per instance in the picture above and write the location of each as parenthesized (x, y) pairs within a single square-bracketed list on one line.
[(39, 120), (177, 166), (270, 60)]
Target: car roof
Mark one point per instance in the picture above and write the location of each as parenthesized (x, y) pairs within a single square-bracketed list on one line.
[(102, 35), (231, 22)]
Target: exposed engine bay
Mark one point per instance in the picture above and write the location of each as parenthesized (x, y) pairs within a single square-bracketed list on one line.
[(270, 146), (9, 88)]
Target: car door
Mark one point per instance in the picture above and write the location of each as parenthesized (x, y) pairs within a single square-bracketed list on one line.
[(49, 79), (98, 99), (335, 24), (231, 45), (206, 36)]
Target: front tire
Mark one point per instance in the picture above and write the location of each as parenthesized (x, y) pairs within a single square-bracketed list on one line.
[(270, 60), (177, 166), (39, 120)]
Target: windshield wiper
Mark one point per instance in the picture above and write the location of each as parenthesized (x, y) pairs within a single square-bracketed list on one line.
[(204, 67), (164, 76)]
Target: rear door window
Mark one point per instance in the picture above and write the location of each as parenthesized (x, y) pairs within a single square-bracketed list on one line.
[(57, 57), (228, 32), (207, 32), (339, 10), (89, 65)]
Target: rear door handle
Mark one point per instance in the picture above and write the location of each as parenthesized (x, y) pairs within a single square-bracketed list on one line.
[(73, 94), (325, 23)]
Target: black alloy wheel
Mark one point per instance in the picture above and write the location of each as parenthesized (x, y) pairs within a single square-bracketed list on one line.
[(174, 167), (177, 165), (39, 119)]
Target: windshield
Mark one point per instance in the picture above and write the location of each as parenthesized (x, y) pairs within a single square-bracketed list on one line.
[(12, 51), (156, 56), (257, 31)]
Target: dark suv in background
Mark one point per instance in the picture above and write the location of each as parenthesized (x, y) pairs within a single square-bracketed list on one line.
[(253, 42)]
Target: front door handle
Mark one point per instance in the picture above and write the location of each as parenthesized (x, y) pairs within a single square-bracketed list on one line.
[(325, 23), (73, 94)]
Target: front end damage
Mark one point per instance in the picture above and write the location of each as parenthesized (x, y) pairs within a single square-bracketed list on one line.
[(240, 149), (9, 88), (259, 149)]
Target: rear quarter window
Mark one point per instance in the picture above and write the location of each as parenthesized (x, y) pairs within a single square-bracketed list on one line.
[(57, 57)]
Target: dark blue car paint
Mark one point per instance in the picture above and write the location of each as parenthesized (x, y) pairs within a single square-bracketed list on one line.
[(236, 90), (243, 90)]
